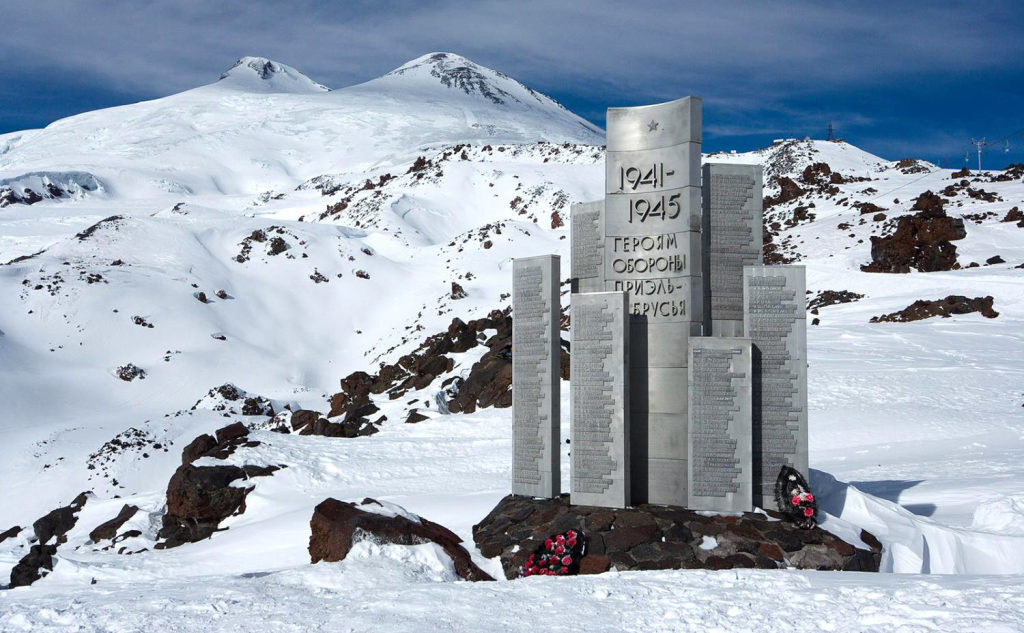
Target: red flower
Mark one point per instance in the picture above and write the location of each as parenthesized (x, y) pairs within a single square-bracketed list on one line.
[(808, 512), (560, 539), (527, 572), (571, 534), (571, 542), (796, 500), (809, 497), (548, 543), (567, 560), (564, 570), (560, 550)]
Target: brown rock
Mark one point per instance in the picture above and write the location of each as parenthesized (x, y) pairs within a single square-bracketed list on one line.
[(953, 304), (415, 416), (9, 533), (334, 524), (594, 564), (108, 529), (627, 537), (921, 241), (56, 523), (304, 419), (197, 448), (844, 548), (30, 568), (200, 497), (231, 432), (817, 557), (869, 539), (772, 551)]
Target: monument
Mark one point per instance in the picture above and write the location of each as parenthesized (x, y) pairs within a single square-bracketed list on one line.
[(599, 395), (720, 477), (651, 227), (536, 396), (731, 197), (776, 322), (688, 356), (586, 236)]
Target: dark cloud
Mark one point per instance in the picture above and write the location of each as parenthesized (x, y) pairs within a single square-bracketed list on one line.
[(764, 67)]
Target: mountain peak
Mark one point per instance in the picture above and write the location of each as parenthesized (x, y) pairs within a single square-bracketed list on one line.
[(458, 73), (265, 75)]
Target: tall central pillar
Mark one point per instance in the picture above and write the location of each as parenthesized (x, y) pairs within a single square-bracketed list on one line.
[(651, 225)]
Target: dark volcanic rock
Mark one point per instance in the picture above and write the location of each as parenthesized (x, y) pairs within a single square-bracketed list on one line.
[(827, 298), (130, 372), (661, 537), (9, 533), (53, 525), (108, 529), (355, 424), (415, 416), (58, 522), (334, 525), (921, 241), (200, 497), (487, 384), (197, 448), (788, 190), (953, 304), (33, 565)]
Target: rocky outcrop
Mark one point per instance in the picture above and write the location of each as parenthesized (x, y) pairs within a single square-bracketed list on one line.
[(1015, 215), (788, 191), (922, 241), (130, 372), (827, 298), (661, 537), (200, 497), (108, 529), (355, 423), (487, 384), (230, 400), (953, 304), (10, 532), (50, 532), (336, 525)]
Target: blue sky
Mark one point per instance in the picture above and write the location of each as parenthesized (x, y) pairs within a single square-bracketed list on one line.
[(896, 78)]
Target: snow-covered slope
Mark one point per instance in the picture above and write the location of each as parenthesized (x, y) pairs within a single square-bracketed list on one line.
[(335, 224)]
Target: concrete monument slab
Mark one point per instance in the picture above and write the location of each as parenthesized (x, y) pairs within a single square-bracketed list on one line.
[(586, 235), (652, 253), (536, 399), (599, 390), (774, 308), (719, 433), (732, 238)]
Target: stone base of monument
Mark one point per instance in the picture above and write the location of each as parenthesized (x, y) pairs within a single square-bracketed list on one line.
[(662, 537)]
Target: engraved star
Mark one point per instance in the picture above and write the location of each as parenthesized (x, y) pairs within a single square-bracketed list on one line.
[(652, 126)]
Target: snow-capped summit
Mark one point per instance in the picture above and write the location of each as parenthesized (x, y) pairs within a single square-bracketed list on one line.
[(458, 73), (454, 80), (264, 75)]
